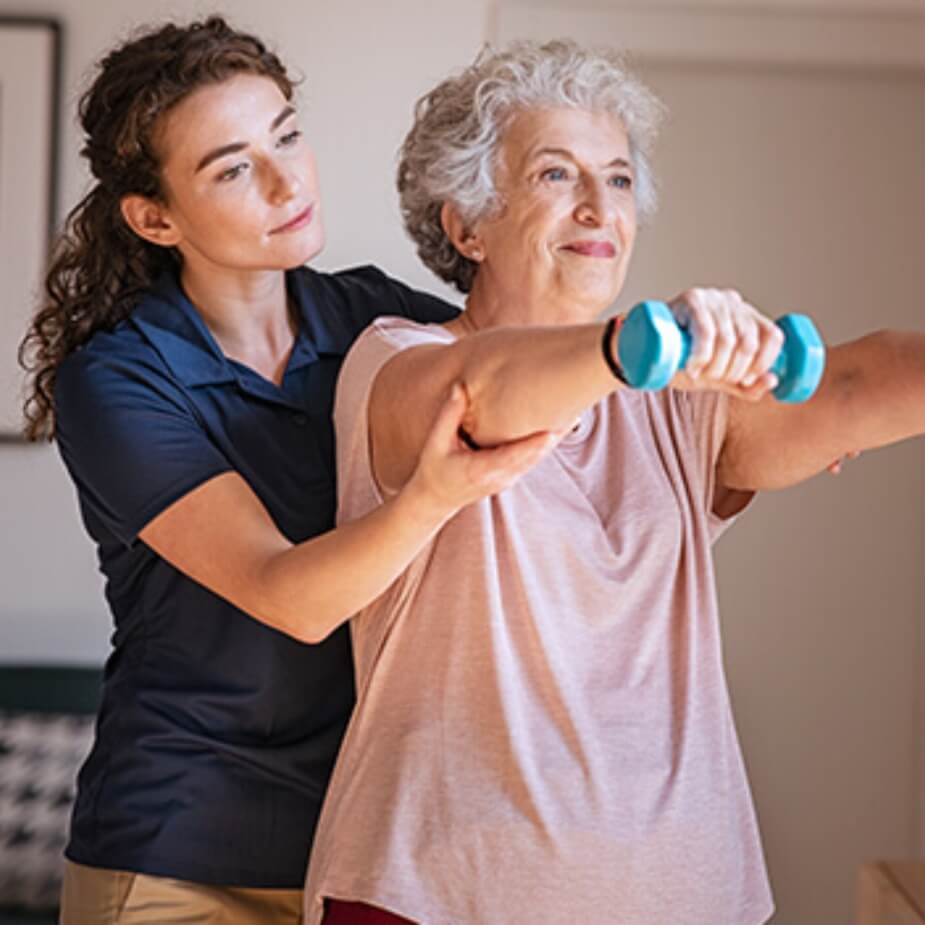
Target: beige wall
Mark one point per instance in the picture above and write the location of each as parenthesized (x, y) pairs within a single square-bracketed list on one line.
[(830, 711)]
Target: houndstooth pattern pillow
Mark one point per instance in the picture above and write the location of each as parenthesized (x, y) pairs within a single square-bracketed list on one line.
[(39, 758)]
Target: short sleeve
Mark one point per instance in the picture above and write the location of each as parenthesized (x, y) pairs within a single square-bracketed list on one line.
[(706, 415), (130, 439), (358, 493)]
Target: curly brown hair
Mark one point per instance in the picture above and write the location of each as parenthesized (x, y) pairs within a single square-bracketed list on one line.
[(99, 268)]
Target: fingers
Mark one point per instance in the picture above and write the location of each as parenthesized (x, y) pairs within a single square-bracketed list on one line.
[(497, 468), (745, 347), (712, 331), (733, 346), (760, 387), (452, 474), (836, 467), (444, 431), (770, 346)]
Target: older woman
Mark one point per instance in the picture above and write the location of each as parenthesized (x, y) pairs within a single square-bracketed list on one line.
[(543, 731)]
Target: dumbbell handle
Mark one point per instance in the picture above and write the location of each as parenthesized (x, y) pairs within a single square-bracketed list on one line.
[(652, 347)]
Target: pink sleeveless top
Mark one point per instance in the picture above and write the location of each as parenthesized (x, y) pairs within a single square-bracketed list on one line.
[(543, 731)]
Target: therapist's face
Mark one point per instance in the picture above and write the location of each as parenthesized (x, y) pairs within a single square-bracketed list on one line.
[(238, 178)]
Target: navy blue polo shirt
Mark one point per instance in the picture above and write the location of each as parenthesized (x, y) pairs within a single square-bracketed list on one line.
[(217, 734)]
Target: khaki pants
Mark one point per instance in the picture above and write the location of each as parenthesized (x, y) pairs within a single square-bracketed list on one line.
[(93, 896)]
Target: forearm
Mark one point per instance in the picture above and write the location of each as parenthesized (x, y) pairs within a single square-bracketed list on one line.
[(529, 379), (311, 588), (892, 382), (872, 395)]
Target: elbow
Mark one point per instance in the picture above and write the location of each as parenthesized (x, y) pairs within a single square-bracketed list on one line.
[(294, 624), (481, 378), (499, 408), (313, 635), (308, 622)]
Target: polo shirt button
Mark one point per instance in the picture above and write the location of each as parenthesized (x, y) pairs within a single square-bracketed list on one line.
[(299, 420)]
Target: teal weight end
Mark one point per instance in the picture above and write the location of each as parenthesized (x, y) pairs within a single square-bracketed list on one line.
[(650, 346), (801, 362)]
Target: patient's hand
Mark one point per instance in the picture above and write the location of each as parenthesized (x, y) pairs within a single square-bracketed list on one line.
[(836, 466)]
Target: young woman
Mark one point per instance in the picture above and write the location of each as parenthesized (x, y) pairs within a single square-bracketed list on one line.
[(185, 360)]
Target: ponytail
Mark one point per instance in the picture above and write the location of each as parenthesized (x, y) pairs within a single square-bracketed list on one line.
[(98, 271)]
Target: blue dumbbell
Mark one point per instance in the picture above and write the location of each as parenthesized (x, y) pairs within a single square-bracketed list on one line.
[(653, 347)]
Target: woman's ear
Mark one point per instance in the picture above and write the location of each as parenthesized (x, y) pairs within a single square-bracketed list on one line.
[(463, 238), (149, 220)]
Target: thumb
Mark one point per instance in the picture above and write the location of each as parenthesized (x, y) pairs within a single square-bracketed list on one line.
[(446, 424)]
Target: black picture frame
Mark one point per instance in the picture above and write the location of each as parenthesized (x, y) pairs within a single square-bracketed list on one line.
[(30, 120)]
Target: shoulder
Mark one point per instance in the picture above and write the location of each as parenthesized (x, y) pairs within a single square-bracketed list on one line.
[(341, 283), (116, 378), (383, 340), (109, 356), (162, 340), (401, 333), (365, 292)]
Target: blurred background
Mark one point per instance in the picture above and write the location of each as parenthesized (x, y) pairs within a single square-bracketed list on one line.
[(791, 167)]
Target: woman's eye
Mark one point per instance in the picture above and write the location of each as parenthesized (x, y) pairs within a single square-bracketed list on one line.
[(291, 137), (231, 173), (621, 181), (554, 173)]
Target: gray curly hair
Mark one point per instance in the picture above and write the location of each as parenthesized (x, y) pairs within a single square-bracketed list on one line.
[(451, 152)]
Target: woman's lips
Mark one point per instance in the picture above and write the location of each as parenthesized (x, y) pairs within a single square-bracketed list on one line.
[(592, 248), (300, 221)]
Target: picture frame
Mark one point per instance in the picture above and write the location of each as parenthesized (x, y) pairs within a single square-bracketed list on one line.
[(30, 82)]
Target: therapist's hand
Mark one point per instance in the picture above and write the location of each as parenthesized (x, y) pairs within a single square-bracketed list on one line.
[(451, 474)]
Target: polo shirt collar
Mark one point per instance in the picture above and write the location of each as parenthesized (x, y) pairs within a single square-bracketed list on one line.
[(168, 320), (321, 324), (175, 329)]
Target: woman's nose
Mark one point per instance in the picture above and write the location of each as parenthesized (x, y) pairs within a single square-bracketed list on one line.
[(283, 182), (594, 207)]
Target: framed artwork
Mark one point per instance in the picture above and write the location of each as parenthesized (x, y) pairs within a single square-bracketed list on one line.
[(30, 62)]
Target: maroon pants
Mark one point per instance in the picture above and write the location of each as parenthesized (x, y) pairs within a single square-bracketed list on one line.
[(338, 912)]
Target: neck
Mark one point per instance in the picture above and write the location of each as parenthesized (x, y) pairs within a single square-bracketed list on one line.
[(489, 305), (247, 314)]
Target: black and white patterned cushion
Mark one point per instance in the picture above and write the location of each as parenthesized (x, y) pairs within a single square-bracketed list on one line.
[(39, 758)]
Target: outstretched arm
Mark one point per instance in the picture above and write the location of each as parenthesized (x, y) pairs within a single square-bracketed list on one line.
[(872, 394), (517, 381), (525, 379)]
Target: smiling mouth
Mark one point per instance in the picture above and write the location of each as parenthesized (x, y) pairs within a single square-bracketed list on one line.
[(300, 221), (592, 249)]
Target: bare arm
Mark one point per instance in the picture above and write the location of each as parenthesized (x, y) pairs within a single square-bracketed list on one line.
[(221, 535), (525, 379), (518, 380), (872, 394)]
